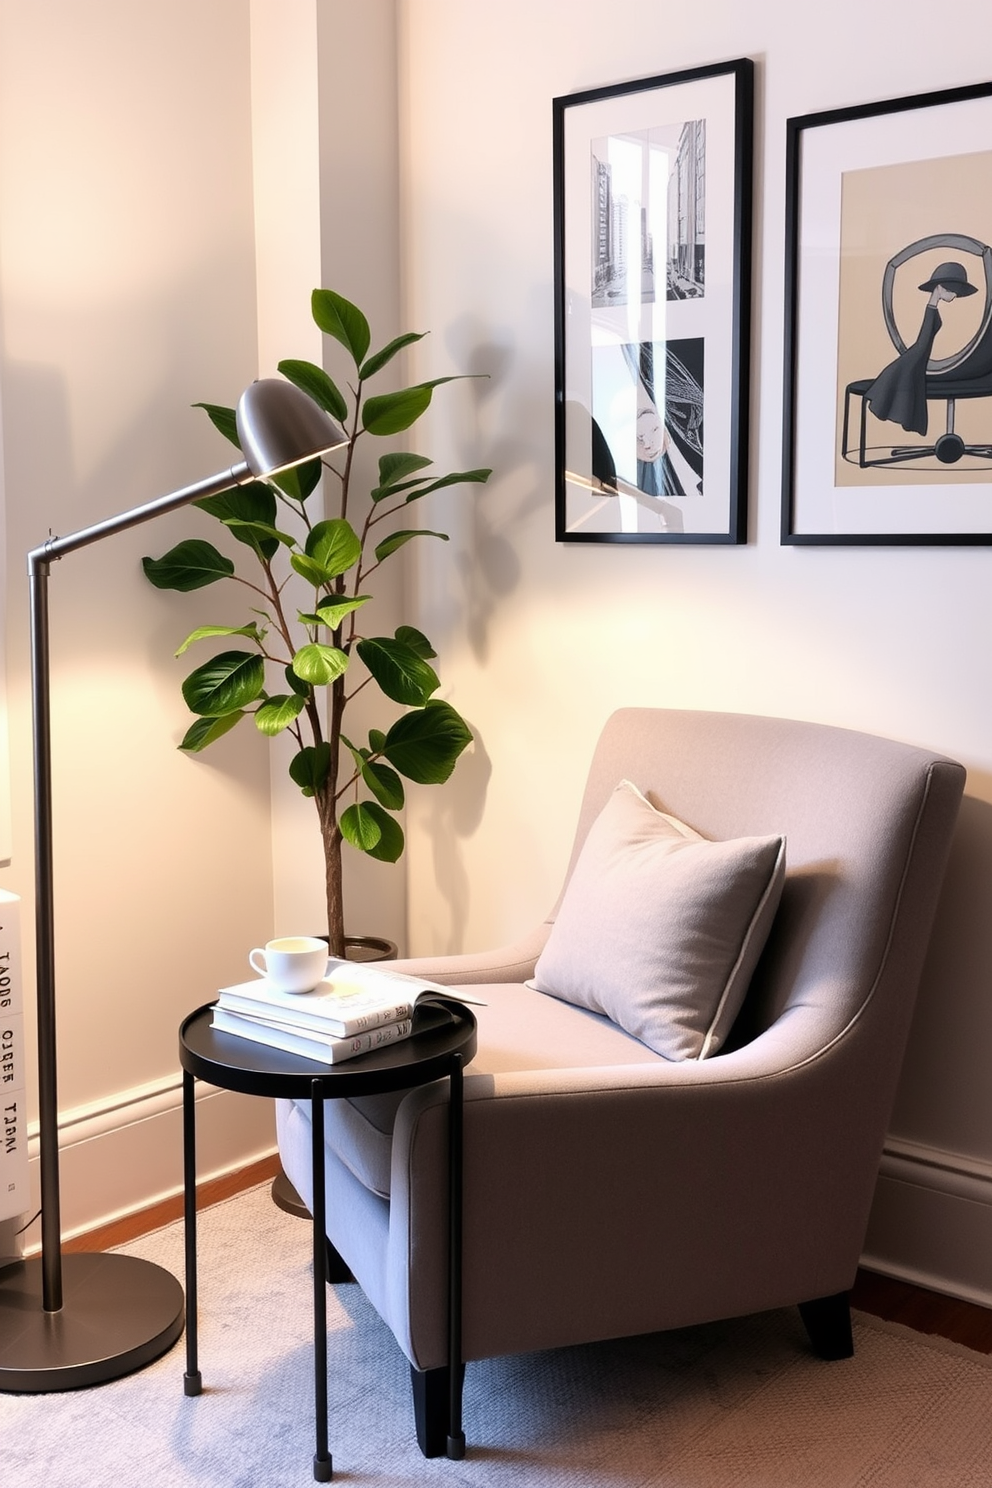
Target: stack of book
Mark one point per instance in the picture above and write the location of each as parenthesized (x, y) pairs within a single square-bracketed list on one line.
[(357, 1007)]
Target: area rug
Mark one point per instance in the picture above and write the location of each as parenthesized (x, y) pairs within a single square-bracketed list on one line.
[(732, 1405)]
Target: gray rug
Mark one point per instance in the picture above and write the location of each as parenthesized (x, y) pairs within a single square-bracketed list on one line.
[(732, 1405)]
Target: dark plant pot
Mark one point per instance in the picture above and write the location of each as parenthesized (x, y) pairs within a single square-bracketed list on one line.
[(356, 948)]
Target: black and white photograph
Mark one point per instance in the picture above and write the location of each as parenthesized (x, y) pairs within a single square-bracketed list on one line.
[(652, 228), (649, 215)]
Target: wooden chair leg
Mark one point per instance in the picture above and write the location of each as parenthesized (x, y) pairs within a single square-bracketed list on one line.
[(431, 1395), (431, 1402), (828, 1323)]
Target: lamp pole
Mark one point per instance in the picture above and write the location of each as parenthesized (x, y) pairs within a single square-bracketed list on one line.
[(39, 566), (82, 1319)]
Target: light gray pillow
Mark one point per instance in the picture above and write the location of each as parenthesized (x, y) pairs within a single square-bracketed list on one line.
[(661, 929)]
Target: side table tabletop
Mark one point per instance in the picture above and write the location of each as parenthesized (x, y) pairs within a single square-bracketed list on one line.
[(231, 1063)]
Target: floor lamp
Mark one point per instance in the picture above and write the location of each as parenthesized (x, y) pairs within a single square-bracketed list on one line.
[(72, 1320)]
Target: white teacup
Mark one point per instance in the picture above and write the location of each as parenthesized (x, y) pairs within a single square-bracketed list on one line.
[(293, 963)]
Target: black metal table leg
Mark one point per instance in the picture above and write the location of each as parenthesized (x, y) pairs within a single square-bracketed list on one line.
[(323, 1468), (456, 1436), (192, 1382), (437, 1051)]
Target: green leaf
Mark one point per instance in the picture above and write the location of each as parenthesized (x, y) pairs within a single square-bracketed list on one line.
[(334, 545), (339, 318), (456, 478), (425, 744), (391, 413), (309, 570), (383, 493), (384, 783), (209, 632), (309, 768), (206, 730), (390, 844), (301, 481), (315, 382), (399, 539), (394, 471), (226, 682), (301, 688), (377, 740), (189, 565), (319, 665), (416, 640), (332, 611), (261, 532), (254, 503), (359, 827), (223, 419), (379, 360), (397, 466), (277, 713), (358, 755), (400, 672)]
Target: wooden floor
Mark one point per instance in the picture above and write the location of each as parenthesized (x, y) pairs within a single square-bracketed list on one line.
[(896, 1301), (926, 1312)]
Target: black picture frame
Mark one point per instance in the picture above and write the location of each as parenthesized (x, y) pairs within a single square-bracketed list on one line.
[(641, 377), (885, 436)]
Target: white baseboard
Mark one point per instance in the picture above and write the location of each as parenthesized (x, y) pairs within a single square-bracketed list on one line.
[(931, 1221), (123, 1154)]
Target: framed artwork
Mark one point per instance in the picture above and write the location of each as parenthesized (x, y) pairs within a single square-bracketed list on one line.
[(888, 346), (652, 221)]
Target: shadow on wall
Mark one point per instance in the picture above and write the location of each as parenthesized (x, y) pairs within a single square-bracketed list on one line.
[(945, 1095), (453, 814), (499, 436)]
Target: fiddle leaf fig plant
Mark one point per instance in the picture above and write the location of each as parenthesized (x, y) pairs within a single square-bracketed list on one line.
[(310, 645)]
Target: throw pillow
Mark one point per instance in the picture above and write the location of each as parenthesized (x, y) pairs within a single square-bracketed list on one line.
[(660, 928)]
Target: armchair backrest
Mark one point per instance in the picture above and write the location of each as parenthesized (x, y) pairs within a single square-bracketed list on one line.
[(868, 824)]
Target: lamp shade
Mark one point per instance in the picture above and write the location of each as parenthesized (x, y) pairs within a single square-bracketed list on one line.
[(279, 426)]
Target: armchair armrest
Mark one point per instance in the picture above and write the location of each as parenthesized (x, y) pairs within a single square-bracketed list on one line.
[(600, 1203), (510, 963)]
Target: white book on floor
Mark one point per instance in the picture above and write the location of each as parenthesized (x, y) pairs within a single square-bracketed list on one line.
[(354, 997), (311, 1045)]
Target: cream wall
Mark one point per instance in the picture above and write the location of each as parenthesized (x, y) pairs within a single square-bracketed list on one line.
[(127, 292), (539, 642), (164, 173)]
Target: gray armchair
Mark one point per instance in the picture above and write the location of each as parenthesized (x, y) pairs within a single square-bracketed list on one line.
[(610, 1190)]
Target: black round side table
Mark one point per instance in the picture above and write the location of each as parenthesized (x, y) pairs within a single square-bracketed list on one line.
[(439, 1049)]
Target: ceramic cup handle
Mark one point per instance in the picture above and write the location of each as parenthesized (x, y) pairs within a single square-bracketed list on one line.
[(261, 969)]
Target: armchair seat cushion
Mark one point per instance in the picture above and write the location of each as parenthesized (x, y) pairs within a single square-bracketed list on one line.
[(519, 1029)]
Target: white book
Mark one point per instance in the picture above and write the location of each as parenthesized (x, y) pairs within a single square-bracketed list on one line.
[(14, 1197), (354, 997), (11, 974), (311, 1045)]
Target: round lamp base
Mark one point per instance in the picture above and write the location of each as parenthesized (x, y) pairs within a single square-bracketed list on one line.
[(118, 1314)]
